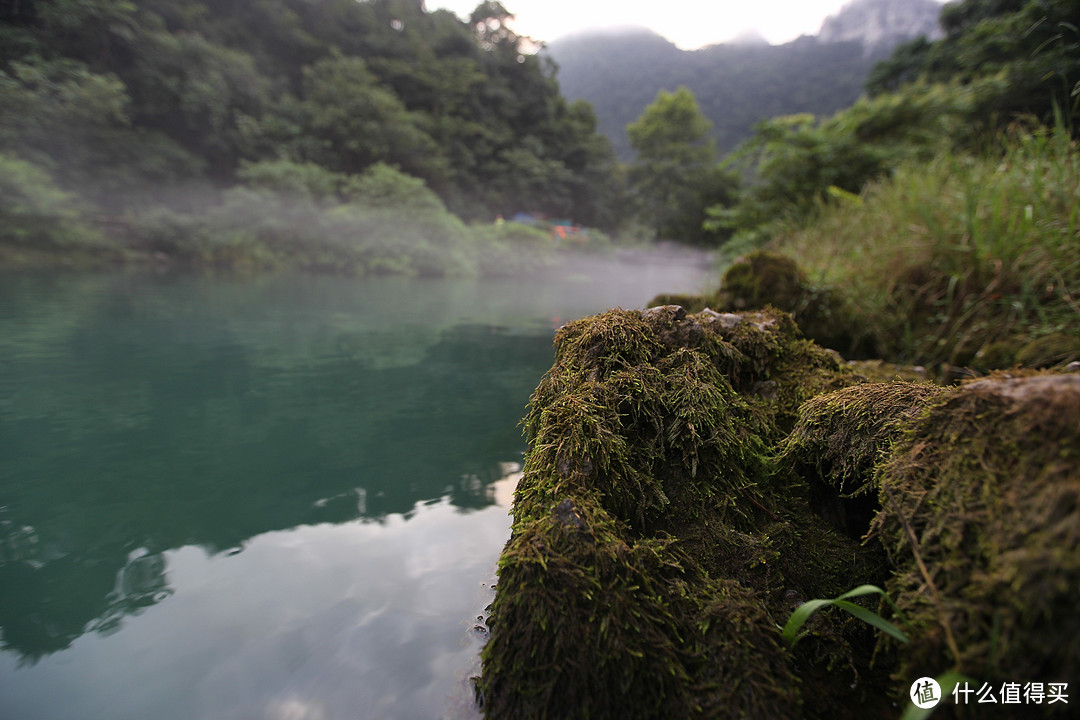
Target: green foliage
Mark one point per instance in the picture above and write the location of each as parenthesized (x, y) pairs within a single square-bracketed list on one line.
[(803, 612), (196, 92), (672, 124), (355, 122), (298, 180), (1032, 45), (148, 102), (385, 187), (736, 84), (795, 163), (998, 62), (950, 258), (77, 124), (505, 248), (37, 215), (302, 215), (674, 175)]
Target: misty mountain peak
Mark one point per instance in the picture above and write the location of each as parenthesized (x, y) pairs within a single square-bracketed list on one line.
[(880, 25), (750, 36)]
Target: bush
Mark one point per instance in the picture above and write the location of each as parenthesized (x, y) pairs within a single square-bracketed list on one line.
[(36, 214)]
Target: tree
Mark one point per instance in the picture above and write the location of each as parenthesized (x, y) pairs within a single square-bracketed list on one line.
[(490, 22), (674, 161), (360, 122)]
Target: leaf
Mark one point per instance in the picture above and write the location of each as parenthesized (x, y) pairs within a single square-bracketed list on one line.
[(803, 612)]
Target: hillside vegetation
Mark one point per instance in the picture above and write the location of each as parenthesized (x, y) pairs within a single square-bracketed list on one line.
[(271, 132), (935, 220), (737, 83)]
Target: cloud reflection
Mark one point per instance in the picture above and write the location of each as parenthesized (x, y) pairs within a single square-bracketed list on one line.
[(364, 619)]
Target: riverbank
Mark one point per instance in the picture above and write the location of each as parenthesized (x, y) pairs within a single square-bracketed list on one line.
[(692, 479)]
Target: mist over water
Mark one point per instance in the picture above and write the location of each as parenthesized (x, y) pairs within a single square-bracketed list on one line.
[(273, 497)]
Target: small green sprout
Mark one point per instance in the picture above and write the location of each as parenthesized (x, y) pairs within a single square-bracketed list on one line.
[(808, 608)]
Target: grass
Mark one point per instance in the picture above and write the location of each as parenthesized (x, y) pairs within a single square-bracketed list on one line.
[(946, 258), (803, 612)]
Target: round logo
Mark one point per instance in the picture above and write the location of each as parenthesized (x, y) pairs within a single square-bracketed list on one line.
[(925, 693)]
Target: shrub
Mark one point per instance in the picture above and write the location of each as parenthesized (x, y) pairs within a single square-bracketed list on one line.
[(36, 214)]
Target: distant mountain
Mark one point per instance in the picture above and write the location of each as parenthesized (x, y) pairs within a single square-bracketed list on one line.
[(736, 84), (881, 25)]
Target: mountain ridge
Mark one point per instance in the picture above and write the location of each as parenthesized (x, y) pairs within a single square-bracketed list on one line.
[(737, 84)]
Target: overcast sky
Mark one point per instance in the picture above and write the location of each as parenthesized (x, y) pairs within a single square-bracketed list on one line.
[(688, 23)]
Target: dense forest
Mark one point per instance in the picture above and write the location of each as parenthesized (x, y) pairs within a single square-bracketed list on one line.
[(132, 116)]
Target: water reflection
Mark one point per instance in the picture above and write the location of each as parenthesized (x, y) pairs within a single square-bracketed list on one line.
[(266, 498), (358, 607), (125, 439)]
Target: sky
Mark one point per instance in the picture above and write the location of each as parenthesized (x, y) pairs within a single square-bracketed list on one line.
[(689, 24)]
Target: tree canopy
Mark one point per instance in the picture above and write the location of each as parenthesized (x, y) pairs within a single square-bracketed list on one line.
[(675, 173), (150, 92)]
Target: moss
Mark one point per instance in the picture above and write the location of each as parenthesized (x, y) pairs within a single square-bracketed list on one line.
[(842, 436), (780, 368), (763, 278), (655, 550), (997, 355), (880, 371), (690, 303), (983, 490), (589, 624), (692, 479), (840, 439), (1050, 350)]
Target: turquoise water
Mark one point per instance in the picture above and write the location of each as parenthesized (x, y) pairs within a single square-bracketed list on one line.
[(276, 498)]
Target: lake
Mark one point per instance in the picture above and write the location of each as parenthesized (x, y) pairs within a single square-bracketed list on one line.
[(276, 498)]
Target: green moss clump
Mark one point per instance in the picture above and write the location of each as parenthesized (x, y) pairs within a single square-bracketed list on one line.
[(842, 436), (693, 478), (590, 624), (689, 303), (880, 371), (654, 553), (984, 492), (764, 278), (998, 355), (780, 367), (1050, 350)]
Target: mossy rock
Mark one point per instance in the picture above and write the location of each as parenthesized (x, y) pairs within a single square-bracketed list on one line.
[(997, 355), (654, 552), (984, 491), (765, 278), (881, 371), (1049, 351), (841, 438), (679, 500), (689, 302), (589, 623)]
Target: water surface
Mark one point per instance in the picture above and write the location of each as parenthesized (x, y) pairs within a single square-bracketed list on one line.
[(265, 498)]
